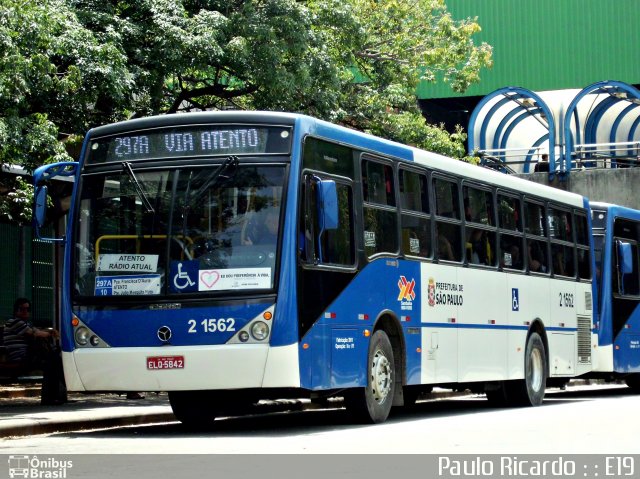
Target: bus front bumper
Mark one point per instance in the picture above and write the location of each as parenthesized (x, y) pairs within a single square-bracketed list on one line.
[(201, 368)]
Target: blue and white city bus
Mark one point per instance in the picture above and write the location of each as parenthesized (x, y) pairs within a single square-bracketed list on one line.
[(616, 232), (228, 257)]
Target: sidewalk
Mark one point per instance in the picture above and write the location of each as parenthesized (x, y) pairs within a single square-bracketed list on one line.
[(21, 413)]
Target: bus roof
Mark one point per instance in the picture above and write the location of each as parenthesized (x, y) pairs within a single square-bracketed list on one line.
[(350, 137), (616, 210)]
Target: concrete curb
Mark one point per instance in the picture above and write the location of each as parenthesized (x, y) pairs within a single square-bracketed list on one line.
[(49, 426), (16, 392)]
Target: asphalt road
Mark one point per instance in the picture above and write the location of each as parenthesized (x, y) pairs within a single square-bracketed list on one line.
[(583, 420)]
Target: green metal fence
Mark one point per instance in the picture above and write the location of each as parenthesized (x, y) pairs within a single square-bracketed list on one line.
[(28, 270)]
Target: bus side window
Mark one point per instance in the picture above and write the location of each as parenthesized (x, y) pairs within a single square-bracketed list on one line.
[(511, 238), (627, 264), (448, 230), (560, 225), (583, 246), (379, 211), (415, 220), (337, 245)]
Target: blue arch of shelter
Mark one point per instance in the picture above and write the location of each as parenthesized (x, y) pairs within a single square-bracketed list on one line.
[(593, 121), (584, 133), (512, 118)]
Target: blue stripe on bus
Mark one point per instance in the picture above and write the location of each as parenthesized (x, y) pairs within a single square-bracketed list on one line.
[(492, 326)]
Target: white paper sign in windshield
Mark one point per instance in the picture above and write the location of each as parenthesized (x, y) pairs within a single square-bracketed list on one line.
[(230, 279), (142, 263)]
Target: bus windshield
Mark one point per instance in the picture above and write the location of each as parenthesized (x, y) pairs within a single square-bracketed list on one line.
[(165, 232)]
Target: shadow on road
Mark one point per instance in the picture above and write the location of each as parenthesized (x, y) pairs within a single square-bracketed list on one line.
[(283, 424)]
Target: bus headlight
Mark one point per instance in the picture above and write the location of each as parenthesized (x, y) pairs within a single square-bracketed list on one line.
[(260, 330), (82, 336)]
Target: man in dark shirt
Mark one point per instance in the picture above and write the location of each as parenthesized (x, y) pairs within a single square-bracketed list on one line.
[(23, 341), (35, 348), (542, 164)]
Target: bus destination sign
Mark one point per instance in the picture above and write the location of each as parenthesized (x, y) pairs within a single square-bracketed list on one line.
[(188, 142)]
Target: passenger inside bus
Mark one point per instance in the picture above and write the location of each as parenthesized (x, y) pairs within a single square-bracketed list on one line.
[(262, 228), (478, 248), (445, 249), (516, 257), (537, 263)]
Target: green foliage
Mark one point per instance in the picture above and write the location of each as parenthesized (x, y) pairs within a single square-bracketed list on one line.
[(394, 45), (69, 65), (15, 204), (55, 75)]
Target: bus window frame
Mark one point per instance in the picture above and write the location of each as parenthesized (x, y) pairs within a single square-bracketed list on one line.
[(563, 243), (513, 233), (616, 265), (456, 180), (577, 213), (395, 209), (471, 226), (428, 215), (533, 237), (304, 196)]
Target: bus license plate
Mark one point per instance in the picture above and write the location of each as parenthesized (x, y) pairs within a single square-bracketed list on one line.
[(165, 362)]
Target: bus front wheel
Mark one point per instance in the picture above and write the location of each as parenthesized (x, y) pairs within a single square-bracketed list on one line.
[(193, 408), (633, 381), (372, 404)]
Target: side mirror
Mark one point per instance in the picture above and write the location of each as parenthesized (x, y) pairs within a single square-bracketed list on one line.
[(327, 205), (40, 206), (40, 176), (625, 258)]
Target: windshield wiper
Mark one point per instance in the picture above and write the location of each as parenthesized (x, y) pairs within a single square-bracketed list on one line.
[(230, 164), (126, 167)]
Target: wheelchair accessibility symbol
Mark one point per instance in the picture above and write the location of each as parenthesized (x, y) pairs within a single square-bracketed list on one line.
[(184, 275), (515, 300)]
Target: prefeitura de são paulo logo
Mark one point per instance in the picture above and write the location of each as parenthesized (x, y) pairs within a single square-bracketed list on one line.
[(40, 468), (431, 289)]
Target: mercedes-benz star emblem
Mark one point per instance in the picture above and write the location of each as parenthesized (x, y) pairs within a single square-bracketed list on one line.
[(164, 334)]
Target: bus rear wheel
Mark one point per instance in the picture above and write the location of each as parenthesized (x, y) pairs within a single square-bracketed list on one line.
[(372, 404), (530, 390)]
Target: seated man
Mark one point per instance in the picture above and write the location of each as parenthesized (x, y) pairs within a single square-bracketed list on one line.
[(263, 232), (25, 343), (35, 348)]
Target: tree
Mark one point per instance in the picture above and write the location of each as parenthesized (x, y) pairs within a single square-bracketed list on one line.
[(54, 76), (69, 65), (356, 62), (396, 44)]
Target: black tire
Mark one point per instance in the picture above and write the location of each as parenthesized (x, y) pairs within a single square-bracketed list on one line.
[(194, 409), (633, 381), (530, 390), (497, 395), (410, 396), (198, 409), (372, 404)]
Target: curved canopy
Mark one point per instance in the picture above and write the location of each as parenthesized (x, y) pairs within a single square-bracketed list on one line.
[(601, 127), (598, 126), (511, 129)]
